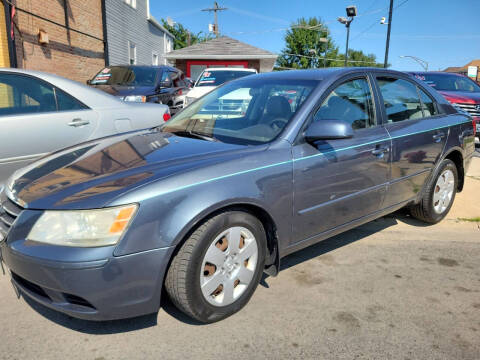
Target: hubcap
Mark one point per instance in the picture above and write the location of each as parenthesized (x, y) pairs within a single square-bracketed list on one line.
[(443, 192), (228, 266)]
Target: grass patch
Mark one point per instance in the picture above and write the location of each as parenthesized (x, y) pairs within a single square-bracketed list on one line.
[(474, 219)]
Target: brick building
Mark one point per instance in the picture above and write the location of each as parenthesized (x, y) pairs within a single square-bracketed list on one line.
[(77, 38), (221, 52), (65, 37)]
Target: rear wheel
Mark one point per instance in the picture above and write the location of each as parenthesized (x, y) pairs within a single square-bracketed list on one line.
[(439, 195), (218, 268)]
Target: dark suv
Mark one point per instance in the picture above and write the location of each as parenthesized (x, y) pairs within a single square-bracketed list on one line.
[(156, 84)]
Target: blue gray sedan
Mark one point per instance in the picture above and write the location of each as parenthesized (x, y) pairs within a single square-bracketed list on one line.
[(204, 204)]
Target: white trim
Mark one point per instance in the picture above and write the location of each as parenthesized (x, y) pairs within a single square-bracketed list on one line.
[(130, 43), (219, 57), (154, 53), (131, 3)]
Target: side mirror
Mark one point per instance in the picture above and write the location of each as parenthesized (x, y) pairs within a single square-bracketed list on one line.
[(165, 84), (328, 130)]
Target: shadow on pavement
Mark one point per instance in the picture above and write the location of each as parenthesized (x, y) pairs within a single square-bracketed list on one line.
[(323, 247), (93, 327)]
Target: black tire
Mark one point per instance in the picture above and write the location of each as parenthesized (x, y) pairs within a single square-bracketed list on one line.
[(182, 282), (424, 210)]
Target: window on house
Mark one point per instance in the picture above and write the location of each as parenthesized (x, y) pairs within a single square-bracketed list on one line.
[(132, 3), (154, 59), (132, 53)]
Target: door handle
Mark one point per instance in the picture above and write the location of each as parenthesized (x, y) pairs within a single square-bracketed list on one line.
[(78, 122), (380, 151), (438, 137)]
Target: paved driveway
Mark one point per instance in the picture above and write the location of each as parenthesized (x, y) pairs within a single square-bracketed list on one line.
[(392, 288)]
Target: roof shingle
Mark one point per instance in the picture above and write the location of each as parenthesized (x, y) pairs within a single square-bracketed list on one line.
[(223, 47)]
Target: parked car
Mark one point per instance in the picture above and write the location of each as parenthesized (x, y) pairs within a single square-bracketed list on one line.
[(41, 113), (458, 89), (210, 78), (151, 84), (203, 205)]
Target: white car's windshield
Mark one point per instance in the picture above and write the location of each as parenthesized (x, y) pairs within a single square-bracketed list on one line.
[(247, 111), (219, 77)]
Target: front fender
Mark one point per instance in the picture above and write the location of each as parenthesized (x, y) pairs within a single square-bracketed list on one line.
[(165, 219)]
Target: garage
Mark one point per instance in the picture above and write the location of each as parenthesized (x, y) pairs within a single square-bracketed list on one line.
[(223, 51)]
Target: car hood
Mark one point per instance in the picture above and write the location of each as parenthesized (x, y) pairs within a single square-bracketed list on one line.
[(92, 174), (122, 90), (199, 91), (461, 96)]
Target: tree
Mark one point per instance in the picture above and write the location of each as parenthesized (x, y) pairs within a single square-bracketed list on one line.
[(304, 50), (183, 37), (358, 58)]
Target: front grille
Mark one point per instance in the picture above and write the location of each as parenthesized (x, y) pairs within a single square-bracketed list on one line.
[(9, 212), (472, 109)]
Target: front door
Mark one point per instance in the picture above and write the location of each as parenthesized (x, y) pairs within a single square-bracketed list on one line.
[(37, 118), (339, 181), (418, 135)]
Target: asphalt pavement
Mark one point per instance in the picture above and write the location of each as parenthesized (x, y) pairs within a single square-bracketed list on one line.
[(391, 289)]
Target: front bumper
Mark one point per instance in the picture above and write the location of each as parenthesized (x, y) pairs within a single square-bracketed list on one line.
[(107, 289)]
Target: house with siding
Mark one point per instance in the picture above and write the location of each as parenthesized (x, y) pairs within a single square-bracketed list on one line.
[(133, 35)]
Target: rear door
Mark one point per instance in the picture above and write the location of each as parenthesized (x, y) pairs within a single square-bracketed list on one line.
[(37, 118), (339, 181), (418, 131)]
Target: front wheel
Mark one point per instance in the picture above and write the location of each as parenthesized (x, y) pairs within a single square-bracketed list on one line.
[(439, 194), (219, 266)]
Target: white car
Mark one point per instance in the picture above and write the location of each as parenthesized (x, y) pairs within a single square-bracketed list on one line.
[(210, 78), (41, 113)]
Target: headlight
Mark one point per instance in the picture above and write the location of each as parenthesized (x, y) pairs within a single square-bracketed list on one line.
[(83, 228), (135, 98)]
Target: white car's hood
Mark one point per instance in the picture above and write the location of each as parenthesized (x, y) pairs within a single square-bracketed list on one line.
[(199, 91)]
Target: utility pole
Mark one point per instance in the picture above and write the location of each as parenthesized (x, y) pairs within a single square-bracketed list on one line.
[(385, 64), (215, 9)]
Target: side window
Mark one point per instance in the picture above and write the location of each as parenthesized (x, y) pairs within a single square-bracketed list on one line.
[(351, 102), (428, 105), (25, 95), (67, 103), (400, 98)]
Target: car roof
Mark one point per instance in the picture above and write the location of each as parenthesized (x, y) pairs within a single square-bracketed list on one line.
[(91, 97), (443, 73), (158, 67), (323, 74), (229, 69)]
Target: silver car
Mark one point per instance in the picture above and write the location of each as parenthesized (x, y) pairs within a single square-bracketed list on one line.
[(41, 113)]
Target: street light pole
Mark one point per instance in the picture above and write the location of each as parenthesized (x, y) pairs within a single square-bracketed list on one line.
[(422, 63), (348, 37), (351, 13), (385, 63)]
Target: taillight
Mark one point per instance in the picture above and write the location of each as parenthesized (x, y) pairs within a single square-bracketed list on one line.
[(166, 116), (475, 120), (180, 92)]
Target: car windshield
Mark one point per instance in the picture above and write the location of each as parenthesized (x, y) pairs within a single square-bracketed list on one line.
[(449, 82), (219, 77), (126, 75), (246, 111)]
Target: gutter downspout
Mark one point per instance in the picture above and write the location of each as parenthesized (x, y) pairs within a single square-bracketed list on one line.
[(11, 42), (105, 37)]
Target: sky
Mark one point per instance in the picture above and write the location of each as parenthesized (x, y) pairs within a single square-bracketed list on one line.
[(442, 32)]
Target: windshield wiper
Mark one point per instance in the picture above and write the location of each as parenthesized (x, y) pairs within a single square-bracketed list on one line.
[(193, 134)]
